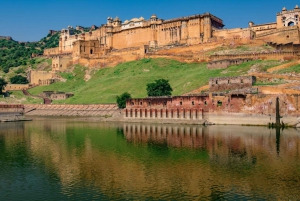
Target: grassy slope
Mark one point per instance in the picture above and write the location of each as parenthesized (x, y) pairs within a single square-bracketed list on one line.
[(133, 77)]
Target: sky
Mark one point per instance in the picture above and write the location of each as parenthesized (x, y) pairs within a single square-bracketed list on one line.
[(30, 20)]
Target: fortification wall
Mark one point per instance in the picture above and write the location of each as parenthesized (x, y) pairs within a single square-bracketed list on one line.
[(40, 77), (235, 33), (230, 83), (51, 51), (225, 63), (97, 110), (269, 56), (187, 106), (11, 112), (60, 63), (283, 35), (16, 87)]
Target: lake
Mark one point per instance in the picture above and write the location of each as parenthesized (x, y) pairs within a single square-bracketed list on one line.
[(81, 159)]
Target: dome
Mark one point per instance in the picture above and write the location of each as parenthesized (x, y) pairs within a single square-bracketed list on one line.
[(153, 16), (116, 19), (141, 19), (296, 7), (126, 22), (134, 20), (284, 9)]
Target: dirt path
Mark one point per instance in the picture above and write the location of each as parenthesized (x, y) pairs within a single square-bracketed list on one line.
[(286, 65)]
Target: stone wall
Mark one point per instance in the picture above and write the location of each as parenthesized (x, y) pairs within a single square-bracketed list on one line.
[(100, 110), (236, 33), (225, 63), (61, 63), (61, 96), (40, 77), (230, 83), (11, 112), (201, 107), (155, 32), (270, 56), (16, 87)]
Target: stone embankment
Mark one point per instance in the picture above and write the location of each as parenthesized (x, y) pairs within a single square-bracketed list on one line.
[(96, 110)]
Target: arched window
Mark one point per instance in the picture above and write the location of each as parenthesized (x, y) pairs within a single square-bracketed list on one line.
[(91, 51), (291, 24)]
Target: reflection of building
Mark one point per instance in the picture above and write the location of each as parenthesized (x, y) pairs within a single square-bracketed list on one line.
[(173, 136)]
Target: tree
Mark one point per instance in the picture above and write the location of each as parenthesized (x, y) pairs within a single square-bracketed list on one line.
[(3, 83), (121, 100), (160, 87), (18, 79)]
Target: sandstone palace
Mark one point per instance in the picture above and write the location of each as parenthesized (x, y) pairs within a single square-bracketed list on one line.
[(118, 41)]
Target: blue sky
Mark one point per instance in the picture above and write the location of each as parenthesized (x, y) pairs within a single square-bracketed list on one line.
[(30, 20)]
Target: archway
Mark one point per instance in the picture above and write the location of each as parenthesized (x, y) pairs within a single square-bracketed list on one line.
[(291, 23)]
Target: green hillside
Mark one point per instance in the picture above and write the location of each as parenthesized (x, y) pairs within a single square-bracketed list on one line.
[(14, 54), (133, 77)]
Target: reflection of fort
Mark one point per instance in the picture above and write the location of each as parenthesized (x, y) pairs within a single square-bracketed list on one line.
[(90, 153), (174, 136), (12, 128), (220, 141)]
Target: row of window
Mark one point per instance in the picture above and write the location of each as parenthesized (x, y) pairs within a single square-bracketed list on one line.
[(228, 82), (149, 103)]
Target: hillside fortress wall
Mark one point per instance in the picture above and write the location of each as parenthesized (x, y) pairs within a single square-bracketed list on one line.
[(116, 41), (137, 32)]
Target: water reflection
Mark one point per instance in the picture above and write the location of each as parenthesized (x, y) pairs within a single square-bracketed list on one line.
[(91, 160)]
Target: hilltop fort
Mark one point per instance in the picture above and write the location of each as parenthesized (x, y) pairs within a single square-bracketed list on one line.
[(135, 38)]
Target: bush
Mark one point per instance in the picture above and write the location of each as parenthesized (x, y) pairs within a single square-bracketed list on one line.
[(18, 79), (121, 100), (3, 83), (160, 87)]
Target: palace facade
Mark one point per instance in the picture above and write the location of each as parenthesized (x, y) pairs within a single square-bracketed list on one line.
[(117, 41)]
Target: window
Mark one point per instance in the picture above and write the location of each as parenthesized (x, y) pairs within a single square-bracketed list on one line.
[(193, 103), (219, 103), (180, 102), (291, 24), (242, 81)]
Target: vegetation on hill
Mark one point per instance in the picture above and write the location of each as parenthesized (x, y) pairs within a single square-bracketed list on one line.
[(121, 100), (14, 54), (134, 76), (2, 84), (160, 87), (18, 79)]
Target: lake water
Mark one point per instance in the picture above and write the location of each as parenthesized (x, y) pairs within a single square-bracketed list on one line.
[(73, 159)]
